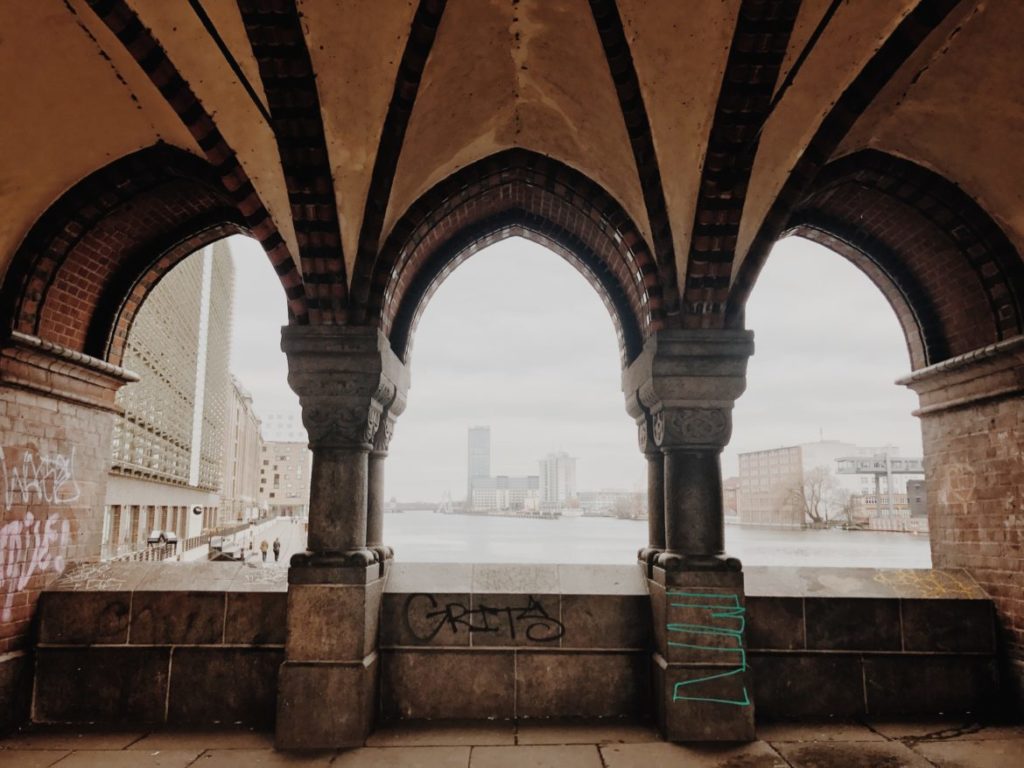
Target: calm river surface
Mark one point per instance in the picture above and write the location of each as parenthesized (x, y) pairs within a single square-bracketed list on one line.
[(434, 537)]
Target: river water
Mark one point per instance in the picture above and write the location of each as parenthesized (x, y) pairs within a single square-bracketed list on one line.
[(433, 537)]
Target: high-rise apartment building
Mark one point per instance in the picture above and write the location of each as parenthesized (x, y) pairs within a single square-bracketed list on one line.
[(285, 469), (167, 454), (243, 452), (479, 460), (557, 478)]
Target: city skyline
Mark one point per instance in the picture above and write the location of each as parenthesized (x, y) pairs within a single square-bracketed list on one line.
[(507, 369)]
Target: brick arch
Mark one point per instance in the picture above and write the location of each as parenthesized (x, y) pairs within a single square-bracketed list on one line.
[(512, 192), (88, 262), (513, 223), (953, 277)]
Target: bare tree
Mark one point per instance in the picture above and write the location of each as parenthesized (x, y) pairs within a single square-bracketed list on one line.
[(814, 495)]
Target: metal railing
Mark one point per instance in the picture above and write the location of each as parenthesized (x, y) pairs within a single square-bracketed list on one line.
[(156, 552)]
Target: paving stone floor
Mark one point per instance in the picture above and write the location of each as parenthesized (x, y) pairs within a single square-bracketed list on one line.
[(538, 744)]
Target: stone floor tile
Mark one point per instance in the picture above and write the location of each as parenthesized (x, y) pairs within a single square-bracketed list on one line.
[(34, 758), (102, 758), (946, 730), (261, 758), (404, 757), (850, 754), (46, 738), (754, 755), (536, 757), (440, 733), (584, 732), (226, 739), (988, 753), (825, 731)]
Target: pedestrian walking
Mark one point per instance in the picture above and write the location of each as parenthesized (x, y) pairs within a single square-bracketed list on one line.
[(277, 549), (263, 549)]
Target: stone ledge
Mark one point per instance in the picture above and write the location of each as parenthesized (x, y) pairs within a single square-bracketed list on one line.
[(987, 373)]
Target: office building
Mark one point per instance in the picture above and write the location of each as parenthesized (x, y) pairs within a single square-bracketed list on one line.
[(285, 470), (243, 452), (168, 447)]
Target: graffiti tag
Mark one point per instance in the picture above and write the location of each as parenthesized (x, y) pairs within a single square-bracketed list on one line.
[(38, 479), (531, 621), (721, 606), (27, 547)]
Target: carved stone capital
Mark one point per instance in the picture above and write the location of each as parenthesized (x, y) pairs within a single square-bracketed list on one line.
[(692, 427), (349, 383), (382, 439), (645, 436), (685, 383)]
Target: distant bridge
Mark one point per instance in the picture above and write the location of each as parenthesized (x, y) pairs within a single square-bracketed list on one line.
[(879, 465)]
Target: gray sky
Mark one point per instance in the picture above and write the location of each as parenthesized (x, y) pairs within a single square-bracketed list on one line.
[(515, 338)]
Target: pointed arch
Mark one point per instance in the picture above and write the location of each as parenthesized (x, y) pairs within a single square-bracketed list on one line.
[(516, 192), (89, 261)]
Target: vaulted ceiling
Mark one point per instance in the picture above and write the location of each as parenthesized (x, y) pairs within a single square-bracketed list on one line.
[(703, 120)]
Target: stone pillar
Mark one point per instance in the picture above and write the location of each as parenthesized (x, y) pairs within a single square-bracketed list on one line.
[(347, 380), (375, 500), (655, 494), (685, 383), (972, 428)]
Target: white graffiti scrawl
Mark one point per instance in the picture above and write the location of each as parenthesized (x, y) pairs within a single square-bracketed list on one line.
[(32, 544), (37, 479)]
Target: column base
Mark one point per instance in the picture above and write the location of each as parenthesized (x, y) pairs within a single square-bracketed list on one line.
[(702, 684), (326, 705), (676, 562), (695, 703), (355, 567), (385, 556), (647, 557)]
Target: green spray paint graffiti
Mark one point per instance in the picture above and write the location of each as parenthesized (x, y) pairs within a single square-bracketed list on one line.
[(719, 606)]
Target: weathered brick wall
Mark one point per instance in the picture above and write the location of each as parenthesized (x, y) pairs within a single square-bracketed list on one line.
[(974, 460), (56, 415)]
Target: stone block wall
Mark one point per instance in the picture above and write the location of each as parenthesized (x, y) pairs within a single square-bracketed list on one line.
[(194, 644), (816, 657), (501, 641)]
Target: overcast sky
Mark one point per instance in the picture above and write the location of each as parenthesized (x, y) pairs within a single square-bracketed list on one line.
[(518, 340)]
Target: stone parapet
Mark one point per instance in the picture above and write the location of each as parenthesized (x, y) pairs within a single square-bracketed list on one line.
[(190, 644)]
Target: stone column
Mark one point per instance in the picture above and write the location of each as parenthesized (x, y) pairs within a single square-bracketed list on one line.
[(375, 500), (655, 494), (685, 383), (347, 379)]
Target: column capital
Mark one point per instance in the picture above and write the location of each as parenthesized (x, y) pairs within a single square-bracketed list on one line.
[(349, 381), (685, 383)]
